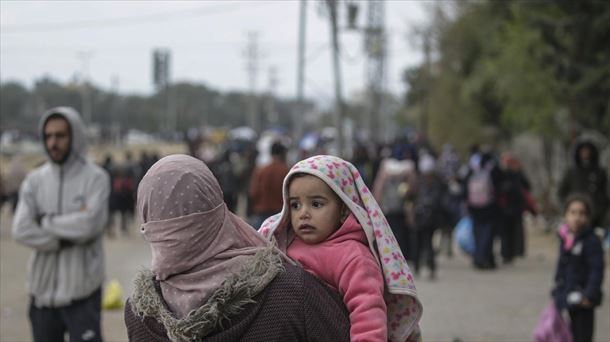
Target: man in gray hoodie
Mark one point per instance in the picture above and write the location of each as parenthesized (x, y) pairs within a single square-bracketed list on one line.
[(62, 210)]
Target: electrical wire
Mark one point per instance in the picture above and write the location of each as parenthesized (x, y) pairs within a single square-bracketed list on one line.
[(322, 47), (317, 90), (347, 57), (128, 20)]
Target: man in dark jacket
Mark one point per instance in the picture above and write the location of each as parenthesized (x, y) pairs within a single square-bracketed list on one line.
[(586, 176)]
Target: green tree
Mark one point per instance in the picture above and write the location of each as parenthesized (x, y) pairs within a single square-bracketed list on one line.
[(13, 100)]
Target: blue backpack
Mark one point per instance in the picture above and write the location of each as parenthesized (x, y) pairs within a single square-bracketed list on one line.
[(464, 235)]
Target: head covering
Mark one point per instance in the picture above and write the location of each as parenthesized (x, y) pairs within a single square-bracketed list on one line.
[(426, 164), (196, 242), (509, 161), (404, 309), (593, 159), (78, 138)]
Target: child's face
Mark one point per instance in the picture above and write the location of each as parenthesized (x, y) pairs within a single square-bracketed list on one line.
[(576, 216), (315, 210)]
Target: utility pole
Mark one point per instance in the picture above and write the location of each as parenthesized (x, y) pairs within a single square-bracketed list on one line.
[(300, 108), (85, 57), (252, 54), (272, 115), (428, 78), (332, 7), (375, 48), (114, 125)]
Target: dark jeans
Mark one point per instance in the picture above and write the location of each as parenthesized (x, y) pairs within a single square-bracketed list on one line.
[(447, 239), (483, 240), (512, 236), (507, 237), (581, 324), (398, 224), (81, 319), (520, 241), (424, 248)]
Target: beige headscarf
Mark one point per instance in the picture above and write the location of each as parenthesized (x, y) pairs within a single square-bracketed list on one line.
[(196, 242)]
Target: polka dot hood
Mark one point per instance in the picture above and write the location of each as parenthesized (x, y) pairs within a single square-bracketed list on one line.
[(404, 308)]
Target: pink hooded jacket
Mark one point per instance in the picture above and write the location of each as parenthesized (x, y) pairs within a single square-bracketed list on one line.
[(344, 261)]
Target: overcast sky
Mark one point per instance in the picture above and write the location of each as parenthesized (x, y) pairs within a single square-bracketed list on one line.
[(207, 40)]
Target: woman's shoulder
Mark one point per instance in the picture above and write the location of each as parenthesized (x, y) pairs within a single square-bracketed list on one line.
[(293, 279), (142, 328), (298, 283)]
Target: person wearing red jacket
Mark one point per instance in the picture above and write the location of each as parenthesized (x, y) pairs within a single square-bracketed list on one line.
[(266, 185)]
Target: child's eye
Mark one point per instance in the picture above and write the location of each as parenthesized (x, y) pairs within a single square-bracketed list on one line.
[(295, 205), (317, 204)]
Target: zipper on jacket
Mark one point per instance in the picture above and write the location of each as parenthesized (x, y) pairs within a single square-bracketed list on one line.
[(59, 207), (61, 189)]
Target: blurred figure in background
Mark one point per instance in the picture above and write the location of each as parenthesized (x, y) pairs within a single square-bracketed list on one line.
[(14, 177), (513, 203), (586, 176), (123, 188), (110, 168), (62, 211), (244, 169), (393, 185), (224, 171), (2, 195), (362, 162), (108, 165), (266, 185), (428, 211), (448, 166), (482, 185), (146, 161)]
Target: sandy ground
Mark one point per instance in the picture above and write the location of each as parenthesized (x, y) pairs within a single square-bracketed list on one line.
[(503, 305)]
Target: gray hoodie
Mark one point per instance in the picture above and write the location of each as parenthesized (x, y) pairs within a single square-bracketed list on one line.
[(68, 259)]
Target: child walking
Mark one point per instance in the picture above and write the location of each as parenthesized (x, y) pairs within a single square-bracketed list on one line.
[(331, 224), (580, 268)]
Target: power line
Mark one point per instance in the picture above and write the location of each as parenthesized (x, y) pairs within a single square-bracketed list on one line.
[(314, 87), (121, 21), (275, 45), (347, 57), (322, 47)]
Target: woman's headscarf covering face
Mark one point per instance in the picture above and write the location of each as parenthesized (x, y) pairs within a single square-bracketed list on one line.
[(404, 309), (180, 186), (196, 242)]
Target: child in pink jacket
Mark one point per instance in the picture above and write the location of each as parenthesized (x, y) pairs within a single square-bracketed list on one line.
[(333, 227)]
